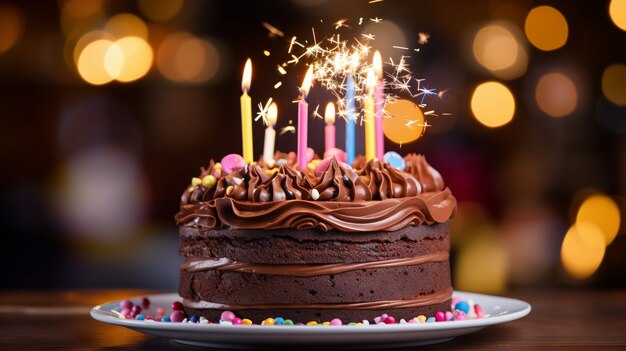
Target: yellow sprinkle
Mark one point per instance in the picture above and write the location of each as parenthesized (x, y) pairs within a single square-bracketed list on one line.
[(312, 323), (246, 321), (316, 162), (269, 321), (209, 181), (311, 166), (229, 190), (421, 318), (326, 324), (359, 323), (217, 166), (266, 53), (196, 181)]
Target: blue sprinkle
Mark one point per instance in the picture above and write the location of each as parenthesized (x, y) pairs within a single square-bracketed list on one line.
[(281, 161), (430, 320), (140, 317), (193, 319), (279, 320), (462, 306), (166, 319), (395, 160)]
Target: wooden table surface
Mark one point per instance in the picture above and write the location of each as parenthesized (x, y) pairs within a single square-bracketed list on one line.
[(561, 319)]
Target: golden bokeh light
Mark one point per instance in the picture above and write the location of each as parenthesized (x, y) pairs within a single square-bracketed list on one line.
[(126, 25), (614, 84), (493, 104), (185, 58), (91, 62), (160, 11), (128, 59), (582, 250), (482, 265), (556, 94), (499, 50), (404, 121), (617, 11), (11, 26), (546, 28), (603, 212), (87, 39), (79, 13)]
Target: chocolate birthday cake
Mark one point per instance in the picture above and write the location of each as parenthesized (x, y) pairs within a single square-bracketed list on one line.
[(330, 242)]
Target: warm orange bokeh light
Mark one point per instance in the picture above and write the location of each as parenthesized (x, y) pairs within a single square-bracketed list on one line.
[(582, 250), (614, 84), (91, 62), (602, 211), (127, 25), (493, 104), (546, 28), (128, 59), (556, 95), (617, 11), (11, 26), (404, 121), (185, 58)]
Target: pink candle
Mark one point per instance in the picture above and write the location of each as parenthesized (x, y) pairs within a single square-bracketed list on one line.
[(379, 104), (303, 120), (329, 130)]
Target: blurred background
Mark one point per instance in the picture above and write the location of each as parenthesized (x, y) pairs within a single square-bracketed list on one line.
[(109, 107)]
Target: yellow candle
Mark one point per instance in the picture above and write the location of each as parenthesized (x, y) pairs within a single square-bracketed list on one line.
[(370, 132), (246, 114)]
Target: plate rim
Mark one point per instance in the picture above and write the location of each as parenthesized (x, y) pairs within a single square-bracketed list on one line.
[(99, 313)]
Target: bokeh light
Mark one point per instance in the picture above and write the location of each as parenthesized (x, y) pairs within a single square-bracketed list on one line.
[(87, 39), (91, 62), (617, 11), (603, 212), (126, 25), (405, 122), (128, 59), (11, 26), (77, 14), (493, 104), (582, 250), (546, 28), (614, 84), (498, 49), (185, 58), (160, 11), (482, 265), (556, 94), (386, 32)]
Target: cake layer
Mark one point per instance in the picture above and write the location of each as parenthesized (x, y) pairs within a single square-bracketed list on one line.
[(358, 286), (312, 246)]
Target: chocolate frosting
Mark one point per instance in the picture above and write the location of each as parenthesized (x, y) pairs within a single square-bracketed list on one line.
[(198, 264), (376, 198), (422, 300)]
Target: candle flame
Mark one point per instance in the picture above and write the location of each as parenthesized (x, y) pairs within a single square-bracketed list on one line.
[(329, 114), (308, 80), (247, 76), (378, 64), (370, 82), (272, 114)]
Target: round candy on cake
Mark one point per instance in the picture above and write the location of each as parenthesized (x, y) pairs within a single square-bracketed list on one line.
[(316, 245)]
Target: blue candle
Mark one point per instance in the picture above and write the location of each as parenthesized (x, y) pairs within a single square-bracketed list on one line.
[(351, 119)]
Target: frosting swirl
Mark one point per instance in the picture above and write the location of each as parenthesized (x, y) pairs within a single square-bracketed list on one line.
[(376, 198)]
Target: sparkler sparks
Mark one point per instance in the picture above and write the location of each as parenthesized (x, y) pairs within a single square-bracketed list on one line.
[(333, 59), (263, 111), (273, 31), (423, 38)]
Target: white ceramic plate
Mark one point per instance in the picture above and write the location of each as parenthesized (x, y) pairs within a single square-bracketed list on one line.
[(497, 310)]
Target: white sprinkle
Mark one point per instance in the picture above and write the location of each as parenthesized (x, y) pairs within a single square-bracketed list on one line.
[(277, 85), (226, 323), (281, 70), (315, 194)]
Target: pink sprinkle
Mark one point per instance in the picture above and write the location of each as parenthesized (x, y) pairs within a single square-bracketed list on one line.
[(177, 316), (177, 306), (413, 321), (125, 311), (160, 312), (440, 317), (145, 303), (236, 321), (461, 317), (449, 316), (479, 311), (127, 304), (336, 153), (227, 316), (377, 320), (336, 321), (389, 320), (232, 162), (310, 153)]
